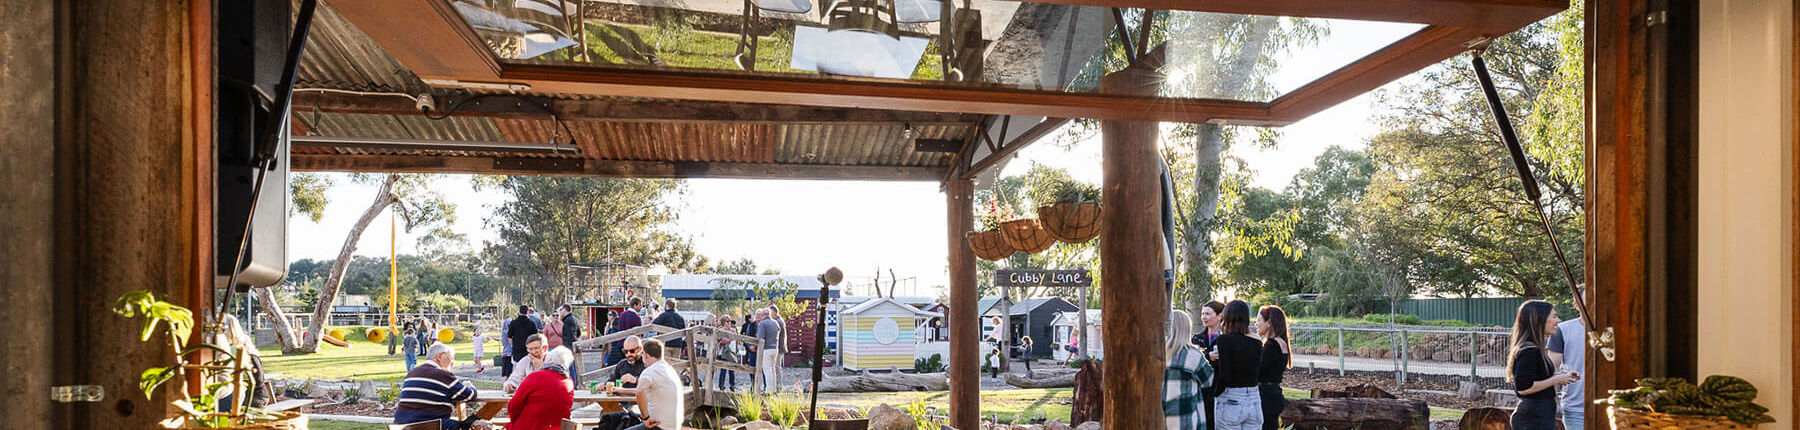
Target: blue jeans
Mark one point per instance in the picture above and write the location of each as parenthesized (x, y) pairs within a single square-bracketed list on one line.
[(1573, 419), (412, 358), (1239, 408)]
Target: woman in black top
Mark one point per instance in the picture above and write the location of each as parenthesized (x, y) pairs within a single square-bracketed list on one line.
[(1530, 369), (1237, 356), (1276, 359), (1209, 317)]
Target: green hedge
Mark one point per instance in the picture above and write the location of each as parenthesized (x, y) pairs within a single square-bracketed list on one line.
[(1401, 319)]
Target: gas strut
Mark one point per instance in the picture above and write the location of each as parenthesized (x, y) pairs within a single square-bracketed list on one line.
[(1601, 341)]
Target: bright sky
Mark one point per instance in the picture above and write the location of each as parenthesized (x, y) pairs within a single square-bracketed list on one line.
[(803, 227)]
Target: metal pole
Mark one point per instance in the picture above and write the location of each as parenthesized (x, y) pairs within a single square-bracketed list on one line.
[(1005, 329), (1405, 356), (1340, 331), (1473, 335)]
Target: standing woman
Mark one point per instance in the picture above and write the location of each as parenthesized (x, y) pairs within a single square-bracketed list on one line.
[(1209, 318), (1236, 357), (1531, 370), (1277, 358), (1186, 376)]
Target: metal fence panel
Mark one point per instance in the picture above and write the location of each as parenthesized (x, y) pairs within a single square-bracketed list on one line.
[(1491, 311)]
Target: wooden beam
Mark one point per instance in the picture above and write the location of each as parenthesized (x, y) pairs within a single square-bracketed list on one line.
[(963, 319), (1031, 135), (1132, 294), (603, 168), (1422, 49), (687, 111), (1509, 14), (747, 87)]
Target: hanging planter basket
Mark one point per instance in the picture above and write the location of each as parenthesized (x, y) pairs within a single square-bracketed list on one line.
[(1026, 235), (1071, 222), (989, 245)]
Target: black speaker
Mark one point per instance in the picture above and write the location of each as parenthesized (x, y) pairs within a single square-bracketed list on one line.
[(251, 42)]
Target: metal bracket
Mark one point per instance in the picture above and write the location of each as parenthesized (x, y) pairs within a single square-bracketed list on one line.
[(77, 393), (1604, 343), (1658, 17)]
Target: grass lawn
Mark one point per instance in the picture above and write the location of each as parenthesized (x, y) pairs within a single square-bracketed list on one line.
[(1007, 404), (342, 425), (362, 361)]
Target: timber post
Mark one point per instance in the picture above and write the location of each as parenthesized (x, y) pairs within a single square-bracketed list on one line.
[(1134, 300), (964, 320)]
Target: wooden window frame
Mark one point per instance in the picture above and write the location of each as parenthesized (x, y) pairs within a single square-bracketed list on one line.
[(429, 37)]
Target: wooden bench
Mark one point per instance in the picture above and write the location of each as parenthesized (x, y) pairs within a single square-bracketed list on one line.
[(299, 405)]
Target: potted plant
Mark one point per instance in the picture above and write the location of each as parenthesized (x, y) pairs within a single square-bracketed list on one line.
[(988, 242), (1720, 402), (1070, 210), (1026, 235), (227, 372)]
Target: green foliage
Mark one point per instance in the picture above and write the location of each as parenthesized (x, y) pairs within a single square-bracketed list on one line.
[(934, 364), (1050, 186), (1719, 395), (784, 411), (204, 409), (921, 414), (1019, 196), (550, 223), (389, 394), (306, 192), (749, 406), (1401, 319)]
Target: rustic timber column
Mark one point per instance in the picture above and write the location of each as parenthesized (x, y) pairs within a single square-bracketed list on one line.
[(132, 193), (1133, 301), (27, 150), (964, 323)]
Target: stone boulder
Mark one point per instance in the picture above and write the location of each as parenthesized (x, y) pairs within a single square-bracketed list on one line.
[(884, 417), (1055, 424), (1090, 425), (759, 425)]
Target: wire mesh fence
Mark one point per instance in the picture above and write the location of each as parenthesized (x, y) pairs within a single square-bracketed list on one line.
[(1404, 350)]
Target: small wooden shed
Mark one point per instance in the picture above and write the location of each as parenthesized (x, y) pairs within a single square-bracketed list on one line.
[(881, 333)]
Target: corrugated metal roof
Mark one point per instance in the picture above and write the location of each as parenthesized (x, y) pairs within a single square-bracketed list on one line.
[(340, 56)]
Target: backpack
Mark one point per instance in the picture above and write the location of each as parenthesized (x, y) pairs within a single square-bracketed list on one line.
[(620, 420)]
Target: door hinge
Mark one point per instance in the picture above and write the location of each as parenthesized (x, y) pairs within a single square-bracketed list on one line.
[(77, 393)]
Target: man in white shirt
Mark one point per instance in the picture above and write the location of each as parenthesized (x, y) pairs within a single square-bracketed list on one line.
[(659, 391), (535, 347)]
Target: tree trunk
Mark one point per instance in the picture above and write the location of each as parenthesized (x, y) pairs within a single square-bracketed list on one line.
[(284, 333), (1209, 143), (309, 342)]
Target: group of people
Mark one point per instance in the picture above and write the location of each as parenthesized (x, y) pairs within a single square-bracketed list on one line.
[(542, 381), (1223, 378), (767, 329)]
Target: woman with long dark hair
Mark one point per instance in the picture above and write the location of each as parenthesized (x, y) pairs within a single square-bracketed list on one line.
[(1530, 369), (1237, 356), (1209, 322), (1277, 358)]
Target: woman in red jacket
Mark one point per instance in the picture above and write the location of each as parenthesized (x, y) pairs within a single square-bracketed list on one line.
[(546, 396)]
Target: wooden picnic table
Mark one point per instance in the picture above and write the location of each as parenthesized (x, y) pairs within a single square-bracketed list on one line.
[(493, 401)]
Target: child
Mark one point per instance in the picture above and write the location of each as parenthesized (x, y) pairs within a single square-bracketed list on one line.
[(480, 351)]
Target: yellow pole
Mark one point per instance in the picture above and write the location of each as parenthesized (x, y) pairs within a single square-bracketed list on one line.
[(393, 277)]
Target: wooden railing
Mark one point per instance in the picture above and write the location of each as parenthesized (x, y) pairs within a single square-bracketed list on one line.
[(701, 369)]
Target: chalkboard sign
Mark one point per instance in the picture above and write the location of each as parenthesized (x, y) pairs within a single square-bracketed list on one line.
[(1043, 278)]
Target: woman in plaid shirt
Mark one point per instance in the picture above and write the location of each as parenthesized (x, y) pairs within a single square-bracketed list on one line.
[(1186, 375)]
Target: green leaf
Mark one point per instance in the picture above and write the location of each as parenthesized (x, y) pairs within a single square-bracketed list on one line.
[(153, 377), (1729, 387), (187, 407)]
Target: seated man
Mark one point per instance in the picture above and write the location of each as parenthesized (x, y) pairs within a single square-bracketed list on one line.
[(431, 391), (659, 391), (531, 362), (626, 373)]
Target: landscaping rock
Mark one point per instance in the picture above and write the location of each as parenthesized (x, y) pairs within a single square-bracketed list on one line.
[(1468, 390), (1090, 425), (884, 417), (1055, 424), (366, 389), (761, 425)]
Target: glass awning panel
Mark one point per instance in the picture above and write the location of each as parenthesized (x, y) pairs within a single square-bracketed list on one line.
[(1019, 45)]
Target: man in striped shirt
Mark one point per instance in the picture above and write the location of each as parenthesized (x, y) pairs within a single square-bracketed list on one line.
[(431, 392)]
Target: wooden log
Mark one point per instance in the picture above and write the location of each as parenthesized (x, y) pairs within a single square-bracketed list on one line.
[(1364, 391), (1045, 380), (884, 382), (1357, 413), (1134, 300)]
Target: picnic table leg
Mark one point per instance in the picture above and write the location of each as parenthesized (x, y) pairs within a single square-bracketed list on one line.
[(490, 410)]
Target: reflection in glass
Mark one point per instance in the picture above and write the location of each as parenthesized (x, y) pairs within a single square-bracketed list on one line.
[(519, 29)]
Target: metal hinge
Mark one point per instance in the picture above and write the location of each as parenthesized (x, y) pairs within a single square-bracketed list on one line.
[(77, 393), (1652, 19)]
